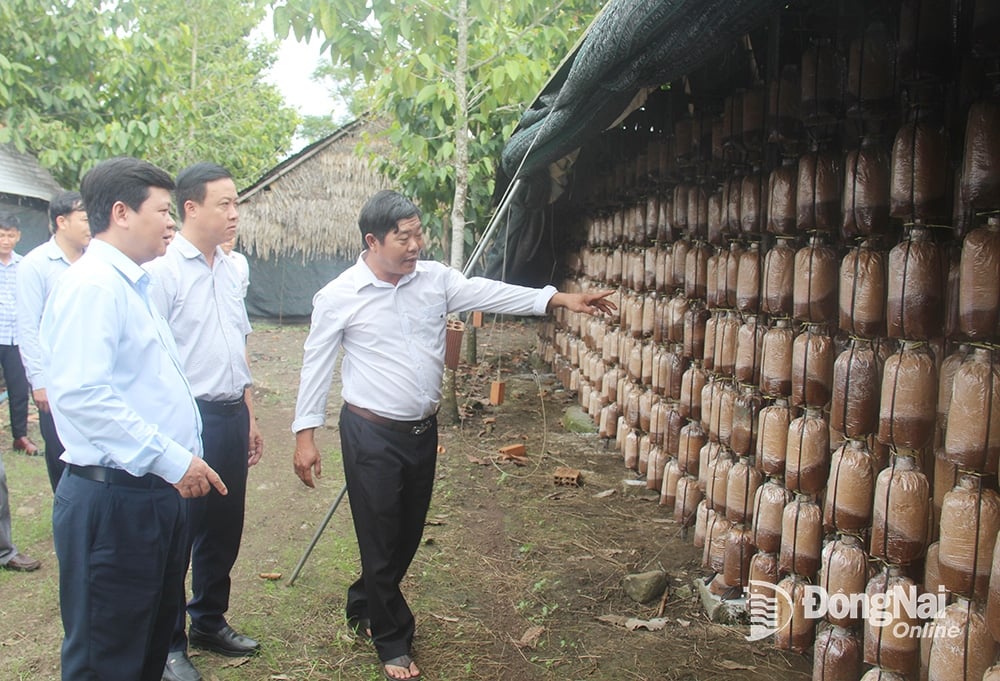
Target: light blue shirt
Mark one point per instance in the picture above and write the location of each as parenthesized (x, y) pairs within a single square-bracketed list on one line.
[(36, 275), (205, 311), (394, 337), (8, 301), (115, 384)]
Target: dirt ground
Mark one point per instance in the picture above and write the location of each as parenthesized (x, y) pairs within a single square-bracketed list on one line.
[(510, 581)]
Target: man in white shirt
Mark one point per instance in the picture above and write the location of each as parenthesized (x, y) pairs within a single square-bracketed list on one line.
[(36, 275), (17, 389), (388, 312), (128, 419), (10, 356), (239, 260), (199, 291)]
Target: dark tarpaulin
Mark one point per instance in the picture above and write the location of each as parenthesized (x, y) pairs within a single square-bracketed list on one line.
[(633, 44)]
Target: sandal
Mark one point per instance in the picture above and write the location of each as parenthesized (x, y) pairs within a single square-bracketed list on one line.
[(403, 661), (361, 627)]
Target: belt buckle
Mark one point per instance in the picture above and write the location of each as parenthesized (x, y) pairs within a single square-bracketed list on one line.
[(421, 427)]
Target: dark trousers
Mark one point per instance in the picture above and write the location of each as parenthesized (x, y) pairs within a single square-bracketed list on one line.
[(121, 576), (390, 477), (53, 447), (215, 522), (17, 389)]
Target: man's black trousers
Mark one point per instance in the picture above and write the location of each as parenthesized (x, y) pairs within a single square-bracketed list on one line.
[(390, 477), (215, 522)]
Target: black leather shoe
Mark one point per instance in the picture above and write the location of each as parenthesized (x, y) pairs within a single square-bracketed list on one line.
[(179, 667), (224, 642)]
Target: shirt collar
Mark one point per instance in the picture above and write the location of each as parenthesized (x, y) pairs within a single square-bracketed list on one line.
[(365, 277), (53, 252), (104, 251)]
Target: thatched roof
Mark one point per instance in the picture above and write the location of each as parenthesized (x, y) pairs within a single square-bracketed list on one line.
[(309, 203), (21, 175)]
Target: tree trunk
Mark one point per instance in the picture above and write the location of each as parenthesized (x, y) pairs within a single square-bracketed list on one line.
[(448, 411), (449, 399), (471, 354), (461, 138)]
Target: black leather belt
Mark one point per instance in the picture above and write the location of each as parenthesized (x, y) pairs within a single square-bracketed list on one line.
[(117, 476), (221, 407), (411, 427)]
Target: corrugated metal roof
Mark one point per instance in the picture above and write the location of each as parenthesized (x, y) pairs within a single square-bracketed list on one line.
[(21, 175)]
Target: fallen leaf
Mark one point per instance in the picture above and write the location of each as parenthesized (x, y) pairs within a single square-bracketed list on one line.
[(441, 449), (476, 460), (270, 575), (617, 620), (529, 639), (238, 662), (734, 666), (654, 624), (606, 493), (683, 623), (517, 460), (633, 623)]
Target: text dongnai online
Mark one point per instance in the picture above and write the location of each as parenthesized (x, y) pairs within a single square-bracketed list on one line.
[(898, 608)]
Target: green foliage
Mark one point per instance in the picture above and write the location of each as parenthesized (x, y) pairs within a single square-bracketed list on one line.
[(406, 54), (82, 80)]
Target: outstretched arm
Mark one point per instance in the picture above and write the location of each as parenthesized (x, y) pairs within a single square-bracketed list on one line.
[(591, 302)]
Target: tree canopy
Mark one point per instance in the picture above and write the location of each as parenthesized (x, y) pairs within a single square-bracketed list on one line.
[(173, 83), (449, 78)]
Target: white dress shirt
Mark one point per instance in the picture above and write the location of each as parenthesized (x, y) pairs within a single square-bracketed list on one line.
[(204, 307), (8, 300), (394, 337), (115, 383), (243, 267), (36, 275)]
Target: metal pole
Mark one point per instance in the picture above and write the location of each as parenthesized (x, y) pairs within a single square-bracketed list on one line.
[(492, 227), (319, 531)]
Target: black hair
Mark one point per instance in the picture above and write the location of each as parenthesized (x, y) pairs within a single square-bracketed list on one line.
[(63, 204), (192, 180), (124, 179), (9, 222), (382, 212)]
